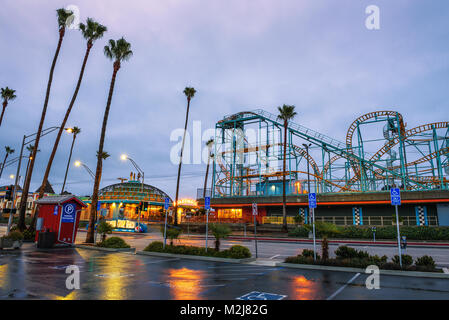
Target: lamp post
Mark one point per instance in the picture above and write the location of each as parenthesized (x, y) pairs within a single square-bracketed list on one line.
[(74, 131), (125, 157), (25, 141), (80, 164), (306, 146)]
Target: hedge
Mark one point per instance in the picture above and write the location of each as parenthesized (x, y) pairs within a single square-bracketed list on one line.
[(113, 242), (387, 232), (234, 252)]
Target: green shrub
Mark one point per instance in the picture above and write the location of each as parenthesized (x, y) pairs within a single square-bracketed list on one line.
[(29, 235), (307, 253), (425, 261), (345, 252), (300, 260), (114, 242), (171, 233), (14, 236), (407, 260), (155, 246), (300, 232), (220, 231), (238, 252), (104, 228), (324, 229), (299, 219)]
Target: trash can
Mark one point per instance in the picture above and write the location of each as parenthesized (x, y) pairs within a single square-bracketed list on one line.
[(46, 240)]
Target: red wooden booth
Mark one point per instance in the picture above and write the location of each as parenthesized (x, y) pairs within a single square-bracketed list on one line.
[(60, 215)]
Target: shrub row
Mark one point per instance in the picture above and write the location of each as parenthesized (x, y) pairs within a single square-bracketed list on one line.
[(365, 232), (234, 252), (113, 242), (349, 257)]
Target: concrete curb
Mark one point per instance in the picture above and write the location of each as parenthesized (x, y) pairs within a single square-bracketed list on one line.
[(354, 270), (191, 257), (105, 249)]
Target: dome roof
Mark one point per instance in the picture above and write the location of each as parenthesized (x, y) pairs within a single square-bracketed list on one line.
[(132, 191)]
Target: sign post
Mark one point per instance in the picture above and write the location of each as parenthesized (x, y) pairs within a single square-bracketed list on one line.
[(255, 212), (373, 229), (207, 207), (395, 195), (166, 206), (312, 205)]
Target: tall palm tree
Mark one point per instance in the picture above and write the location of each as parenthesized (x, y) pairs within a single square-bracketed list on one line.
[(190, 93), (63, 16), (30, 149), (7, 95), (91, 31), (209, 145), (286, 113), (75, 131), (117, 51), (8, 152)]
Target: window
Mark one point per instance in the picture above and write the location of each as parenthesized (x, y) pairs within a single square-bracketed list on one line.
[(230, 213)]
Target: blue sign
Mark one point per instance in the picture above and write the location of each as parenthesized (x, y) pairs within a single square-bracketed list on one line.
[(98, 205), (256, 295), (167, 203), (395, 195), (312, 200), (207, 203), (55, 212), (68, 212)]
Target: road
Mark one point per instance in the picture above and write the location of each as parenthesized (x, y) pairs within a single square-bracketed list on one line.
[(40, 274)]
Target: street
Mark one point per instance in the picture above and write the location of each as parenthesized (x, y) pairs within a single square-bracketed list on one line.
[(40, 274)]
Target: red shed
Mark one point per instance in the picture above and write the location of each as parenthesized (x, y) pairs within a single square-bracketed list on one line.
[(61, 215)]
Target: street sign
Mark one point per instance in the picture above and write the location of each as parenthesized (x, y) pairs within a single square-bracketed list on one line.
[(55, 211), (167, 203), (207, 203), (312, 200), (255, 209), (68, 212), (98, 205), (395, 195), (256, 295)]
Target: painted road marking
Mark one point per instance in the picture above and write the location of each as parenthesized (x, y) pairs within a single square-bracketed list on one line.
[(445, 270), (256, 295), (343, 287), (277, 255)]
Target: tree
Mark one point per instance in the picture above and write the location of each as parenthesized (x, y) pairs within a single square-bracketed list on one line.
[(190, 93), (75, 132), (63, 16), (104, 228), (8, 152), (286, 113), (220, 231), (117, 51), (91, 31), (30, 149), (171, 233), (209, 145), (7, 95)]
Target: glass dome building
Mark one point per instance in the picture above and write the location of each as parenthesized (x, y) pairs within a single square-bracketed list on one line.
[(125, 201)]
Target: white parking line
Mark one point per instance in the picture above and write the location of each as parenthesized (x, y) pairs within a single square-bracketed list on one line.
[(277, 255), (445, 270), (343, 287)]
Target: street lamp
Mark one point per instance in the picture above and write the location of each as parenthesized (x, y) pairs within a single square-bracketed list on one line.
[(79, 164), (306, 146), (74, 131), (125, 157)]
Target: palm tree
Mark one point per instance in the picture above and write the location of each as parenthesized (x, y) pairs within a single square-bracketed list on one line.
[(7, 95), (75, 131), (30, 149), (286, 113), (63, 16), (8, 152), (190, 93), (91, 31), (209, 145), (117, 51)]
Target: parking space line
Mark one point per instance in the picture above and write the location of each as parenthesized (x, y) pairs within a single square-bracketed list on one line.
[(277, 255), (343, 287)]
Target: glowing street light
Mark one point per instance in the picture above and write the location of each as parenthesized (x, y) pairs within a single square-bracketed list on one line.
[(124, 157), (79, 164)]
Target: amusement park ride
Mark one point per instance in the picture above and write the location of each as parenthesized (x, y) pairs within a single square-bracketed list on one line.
[(379, 153)]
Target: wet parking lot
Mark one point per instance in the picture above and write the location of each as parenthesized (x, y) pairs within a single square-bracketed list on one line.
[(37, 274)]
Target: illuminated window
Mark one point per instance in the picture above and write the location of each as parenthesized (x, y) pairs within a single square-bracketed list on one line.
[(230, 213)]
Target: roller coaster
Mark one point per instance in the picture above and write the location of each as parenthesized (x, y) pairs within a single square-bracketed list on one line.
[(379, 153)]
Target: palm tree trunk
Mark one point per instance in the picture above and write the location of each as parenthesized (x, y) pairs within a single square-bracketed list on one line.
[(284, 198), (3, 165), (5, 103), (205, 179), (26, 186), (68, 163), (180, 162), (93, 205)]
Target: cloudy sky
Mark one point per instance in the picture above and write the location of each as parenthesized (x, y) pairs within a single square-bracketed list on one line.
[(238, 54)]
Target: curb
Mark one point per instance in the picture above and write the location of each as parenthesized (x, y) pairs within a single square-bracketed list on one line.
[(359, 270), (191, 257), (105, 249)]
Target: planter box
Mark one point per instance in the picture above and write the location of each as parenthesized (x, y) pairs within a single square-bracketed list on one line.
[(192, 257), (8, 243)]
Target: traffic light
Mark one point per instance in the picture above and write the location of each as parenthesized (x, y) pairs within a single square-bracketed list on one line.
[(8, 194)]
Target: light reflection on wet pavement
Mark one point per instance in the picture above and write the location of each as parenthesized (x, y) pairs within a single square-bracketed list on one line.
[(37, 274)]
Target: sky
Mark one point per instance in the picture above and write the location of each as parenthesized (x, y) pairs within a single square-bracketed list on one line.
[(238, 54)]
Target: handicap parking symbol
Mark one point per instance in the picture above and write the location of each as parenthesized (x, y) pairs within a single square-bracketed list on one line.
[(257, 295)]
